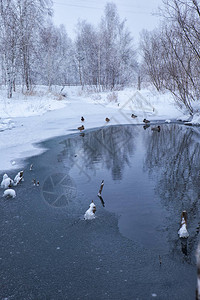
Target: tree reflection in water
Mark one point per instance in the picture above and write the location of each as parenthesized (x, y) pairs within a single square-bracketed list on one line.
[(106, 148), (173, 157)]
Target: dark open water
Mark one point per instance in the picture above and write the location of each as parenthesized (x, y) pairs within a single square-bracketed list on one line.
[(49, 252)]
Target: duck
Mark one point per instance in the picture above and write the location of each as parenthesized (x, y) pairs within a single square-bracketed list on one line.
[(146, 121), (6, 182), (90, 213), (9, 193), (183, 233), (156, 128), (133, 116), (82, 119), (81, 128), (107, 119)]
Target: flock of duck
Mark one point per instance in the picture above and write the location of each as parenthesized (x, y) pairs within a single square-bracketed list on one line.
[(90, 213), (145, 121)]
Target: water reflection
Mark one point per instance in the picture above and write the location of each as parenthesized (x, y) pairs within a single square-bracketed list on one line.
[(173, 157), (150, 177), (107, 148), (158, 177)]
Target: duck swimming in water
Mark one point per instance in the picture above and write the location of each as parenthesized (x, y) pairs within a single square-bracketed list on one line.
[(156, 128)]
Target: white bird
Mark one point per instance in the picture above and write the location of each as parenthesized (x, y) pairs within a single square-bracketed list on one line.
[(6, 182), (183, 233), (9, 193), (18, 178), (90, 213)]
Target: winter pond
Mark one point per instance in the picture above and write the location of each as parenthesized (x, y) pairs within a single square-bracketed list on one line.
[(131, 250)]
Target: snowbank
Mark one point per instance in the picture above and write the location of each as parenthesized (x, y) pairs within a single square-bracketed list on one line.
[(37, 102)]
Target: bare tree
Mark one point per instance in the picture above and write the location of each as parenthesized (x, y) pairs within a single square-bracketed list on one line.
[(171, 54)]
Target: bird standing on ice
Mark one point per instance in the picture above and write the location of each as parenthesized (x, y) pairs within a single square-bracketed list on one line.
[(18, 178), (6, 182), (81, 128), (9, 193), (133, 116), (90, 213), (183, 233)]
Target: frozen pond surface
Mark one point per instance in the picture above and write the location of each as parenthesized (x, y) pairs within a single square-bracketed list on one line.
[(49, 252)]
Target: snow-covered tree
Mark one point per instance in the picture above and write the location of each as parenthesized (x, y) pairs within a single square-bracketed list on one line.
[(9, 42), (20, 21), (55, 56), (105, 56), (118, 58)]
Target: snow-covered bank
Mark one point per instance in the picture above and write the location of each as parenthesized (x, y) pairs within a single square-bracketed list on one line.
[(29, 119)]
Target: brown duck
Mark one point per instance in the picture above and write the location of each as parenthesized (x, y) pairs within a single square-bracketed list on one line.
[(146, 121), (81, 128), (156, 128), (133, 116)]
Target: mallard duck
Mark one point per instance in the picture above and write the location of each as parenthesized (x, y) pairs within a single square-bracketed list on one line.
[(107, 119), (82, 119), (146, 121), (81, 128), (9, 193), (133, 116), (156, 128), (183, 233), (90, 213)]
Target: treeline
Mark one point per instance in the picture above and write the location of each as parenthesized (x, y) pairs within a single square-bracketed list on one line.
[(34, 51), (171, 54)]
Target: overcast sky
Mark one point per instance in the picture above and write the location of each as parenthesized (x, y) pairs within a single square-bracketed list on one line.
[(139, 13)]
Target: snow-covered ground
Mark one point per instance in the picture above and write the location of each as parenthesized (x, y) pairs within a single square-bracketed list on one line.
[(29, 119)]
